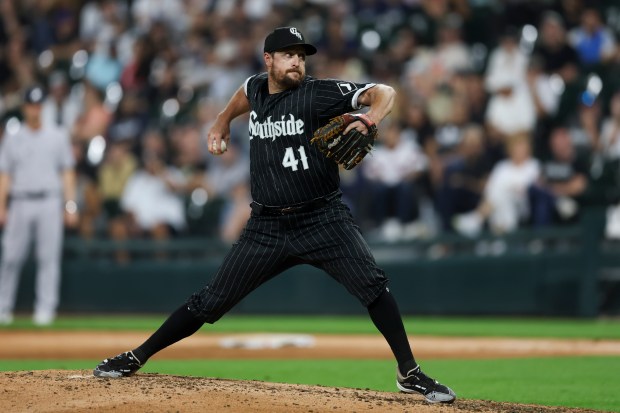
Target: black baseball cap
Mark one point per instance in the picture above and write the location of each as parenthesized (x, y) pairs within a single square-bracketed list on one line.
[(34, 94), (284, 37)]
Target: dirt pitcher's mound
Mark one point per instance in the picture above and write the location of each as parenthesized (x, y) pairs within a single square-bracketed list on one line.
[(79, 391)]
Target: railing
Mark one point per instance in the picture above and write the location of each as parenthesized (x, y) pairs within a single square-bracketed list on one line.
[(551, 271)]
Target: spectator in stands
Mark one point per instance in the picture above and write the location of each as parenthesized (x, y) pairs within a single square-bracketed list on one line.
[(418, 127), (469, 84), (594, 42), (609, 143), (151, 203), (505, 203), (104, 66), (100, 22), (227, 179), (65, 33), (130, 119), (87, 195), (401, 49), (391, 172), (19, 66), (135, 74), (452, 54), (431, 68), (449, 127), (546, 100), (510, 110), (154, 141), (587, 125), (188, 156), (571, 11), (558, 55), (449, 113), (563, 179), (191, 52), (464, 177), (118, 166), (95, 116), (507, 59), (61, 107), (148, 12)]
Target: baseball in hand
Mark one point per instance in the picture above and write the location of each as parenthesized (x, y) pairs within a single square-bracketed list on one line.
[(223, 146)]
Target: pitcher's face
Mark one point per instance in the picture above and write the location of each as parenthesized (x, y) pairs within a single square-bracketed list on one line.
[(287, 68)]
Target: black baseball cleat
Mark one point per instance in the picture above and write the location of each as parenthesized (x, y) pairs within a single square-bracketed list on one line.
[(123, 365), (417, 382)]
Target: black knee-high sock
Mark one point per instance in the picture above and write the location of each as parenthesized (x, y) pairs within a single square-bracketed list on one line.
[(182, 323), (386, 317)]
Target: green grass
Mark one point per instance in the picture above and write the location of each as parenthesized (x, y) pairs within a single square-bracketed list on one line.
[(440, 326), (588, 382)]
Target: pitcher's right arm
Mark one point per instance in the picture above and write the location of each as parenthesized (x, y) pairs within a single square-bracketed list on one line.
[(220, 131)]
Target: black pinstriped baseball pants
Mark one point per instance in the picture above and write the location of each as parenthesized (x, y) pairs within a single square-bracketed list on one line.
[(326, 238)]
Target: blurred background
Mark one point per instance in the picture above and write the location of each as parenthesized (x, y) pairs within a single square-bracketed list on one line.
[(496, 182)]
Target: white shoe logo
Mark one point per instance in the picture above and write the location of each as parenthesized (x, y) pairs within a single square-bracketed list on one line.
[(296, 33)]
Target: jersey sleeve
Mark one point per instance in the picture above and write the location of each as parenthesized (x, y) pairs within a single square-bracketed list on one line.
[(245, 84), (334, 97), (252, 82)]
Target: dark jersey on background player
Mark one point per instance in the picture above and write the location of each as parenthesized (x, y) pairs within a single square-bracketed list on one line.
[(298, 216)]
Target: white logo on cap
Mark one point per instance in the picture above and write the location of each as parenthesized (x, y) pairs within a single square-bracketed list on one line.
[(296, 33)]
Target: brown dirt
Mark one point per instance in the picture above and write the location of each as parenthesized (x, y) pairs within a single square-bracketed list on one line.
[(81, 345), (78, 391)]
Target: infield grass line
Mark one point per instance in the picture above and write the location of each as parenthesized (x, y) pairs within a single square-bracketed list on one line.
[(435, 326)]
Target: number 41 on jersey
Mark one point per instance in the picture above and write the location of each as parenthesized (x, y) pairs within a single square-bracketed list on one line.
[(290, 161)]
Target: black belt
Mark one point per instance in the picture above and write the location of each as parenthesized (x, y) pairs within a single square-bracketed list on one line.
[(260, 209), (33, 195)]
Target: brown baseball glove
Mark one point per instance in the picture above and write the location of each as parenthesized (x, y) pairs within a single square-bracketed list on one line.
[(347, 149)]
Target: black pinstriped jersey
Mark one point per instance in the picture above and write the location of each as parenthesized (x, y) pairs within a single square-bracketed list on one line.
[(284, 167)]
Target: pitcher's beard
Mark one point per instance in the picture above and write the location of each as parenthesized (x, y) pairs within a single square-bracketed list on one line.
[(287, 82)]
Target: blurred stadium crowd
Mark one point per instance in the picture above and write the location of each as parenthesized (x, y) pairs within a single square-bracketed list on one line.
[(508, 112)]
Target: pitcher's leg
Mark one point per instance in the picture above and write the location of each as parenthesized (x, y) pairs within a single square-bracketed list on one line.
[(336, 245), (244, 268), (259, 255), (333, 242), (385, 315), (180, 324)]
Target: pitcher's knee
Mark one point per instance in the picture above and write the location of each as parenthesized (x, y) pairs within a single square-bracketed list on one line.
[(209, 306)]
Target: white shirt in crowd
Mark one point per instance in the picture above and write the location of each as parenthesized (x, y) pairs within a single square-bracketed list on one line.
[(391, 165), (152, 202), (610, 139), (63, 115), (506, 191), (512, 114), (511, 63)]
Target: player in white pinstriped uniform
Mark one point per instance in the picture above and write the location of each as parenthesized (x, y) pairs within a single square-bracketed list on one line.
[(37, 192), (297, 214)]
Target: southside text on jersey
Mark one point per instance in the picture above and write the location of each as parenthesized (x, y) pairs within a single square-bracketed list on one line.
[(270, 129)]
